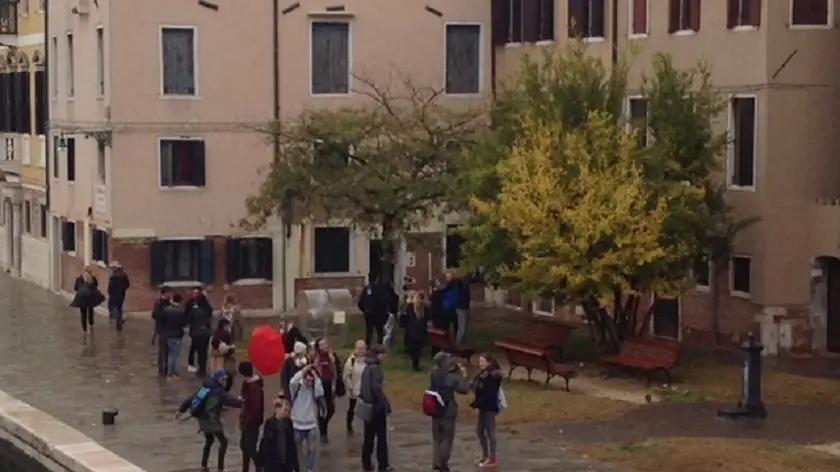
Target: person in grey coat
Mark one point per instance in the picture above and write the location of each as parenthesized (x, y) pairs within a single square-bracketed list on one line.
[(373, 394), (447, 379)]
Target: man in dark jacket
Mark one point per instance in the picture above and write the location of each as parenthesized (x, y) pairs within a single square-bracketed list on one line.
[(377, 300), (117, 287), (200, 314), (373, 394), (174, 321), (157, 315), (206, 406), (251, 415), (447, 379)]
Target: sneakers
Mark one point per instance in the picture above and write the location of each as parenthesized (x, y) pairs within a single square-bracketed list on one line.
[(192, 369), (488, 463)]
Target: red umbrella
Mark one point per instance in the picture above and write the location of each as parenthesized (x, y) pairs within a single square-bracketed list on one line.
[(266, 350)]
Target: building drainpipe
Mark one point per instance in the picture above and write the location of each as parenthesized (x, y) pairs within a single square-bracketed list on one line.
[(275, 37), (48, 100)]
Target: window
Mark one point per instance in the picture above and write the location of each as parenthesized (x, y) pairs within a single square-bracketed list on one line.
[(452, 247), (811, 12), (639, 16), (743, 138), (522, 21), (684, 16), (463, 59), (178, 61), (68, 236), (701, 271), (71, 159), (182, 163), (22, 114), (99, 245), (743, 13), (55, 156), (27, 217), (543, 305), (43, 213), (739, 275), (332, 250), (330, 60), (249, 258), (71, 66), (5, 103), (53, 58), (40, 102), (638, 119), (586, 18), (188, 260), (100, 163), (100, 61)]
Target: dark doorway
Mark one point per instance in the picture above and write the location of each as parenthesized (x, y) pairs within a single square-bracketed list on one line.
[(376, 255), (666, 317), (831, 266)]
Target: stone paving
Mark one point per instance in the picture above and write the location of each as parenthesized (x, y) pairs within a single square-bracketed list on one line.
[(47, 364)]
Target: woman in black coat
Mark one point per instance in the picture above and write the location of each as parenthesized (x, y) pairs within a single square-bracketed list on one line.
[(486, 385), (415, 320), (87, 297), (278, 451)]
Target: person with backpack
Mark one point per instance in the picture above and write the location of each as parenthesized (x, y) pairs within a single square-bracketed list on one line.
[(487, 386), (328, 367), (447, 379), (198, 308), (352, 373), (278, 451), (252, 394), (373, 407), (306, 396), (206, 407)]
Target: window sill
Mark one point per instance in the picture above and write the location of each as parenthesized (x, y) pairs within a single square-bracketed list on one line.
[(684, 33), (513, 45), (100, 98), (71, 183), (596, 39), (251, 282), (101, 264), (702, 288), (544, 42), (737, 294), (331, 14), (182, 188), (70, 253), (182, 283), (71, 98), (638, 36), (743, 28), (810, 27), (179, 97), (745, 188), (464, 95), (329, 95), (332, 275)]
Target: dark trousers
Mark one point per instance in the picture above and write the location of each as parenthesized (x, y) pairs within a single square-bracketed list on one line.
[(248, 443), (86, 315), (376, 429), (163, 355), (209, 439), (329, 402), (374, 325), (197, 356), (415, 348), (351, 413)]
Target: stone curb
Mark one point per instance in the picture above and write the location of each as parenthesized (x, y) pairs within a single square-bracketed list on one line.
[(61, 448)]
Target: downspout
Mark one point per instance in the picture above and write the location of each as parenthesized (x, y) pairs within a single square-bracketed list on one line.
[(614, 34), (48, 101), (275, 38)]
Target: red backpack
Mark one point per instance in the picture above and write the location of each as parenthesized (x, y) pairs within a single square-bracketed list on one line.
[(433, 404)]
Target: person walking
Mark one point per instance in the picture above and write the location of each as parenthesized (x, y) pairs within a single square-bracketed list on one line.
[(252, 394), (328, 367), (174, 322), (206, 405), (118, 285), (378, 300), (352, 374), (307, 392), (292, 335), (415, 320), (378, 408), (87, 297), (447, 379), (223, 352), (232, 311), (158, 335), (278, 451), (198, 308), (486, 386)]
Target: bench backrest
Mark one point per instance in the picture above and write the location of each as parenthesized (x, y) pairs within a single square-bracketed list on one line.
[(545, 332), (655, 350)]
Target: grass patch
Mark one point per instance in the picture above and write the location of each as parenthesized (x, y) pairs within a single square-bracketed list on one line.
[(716, 381), (703, 455)]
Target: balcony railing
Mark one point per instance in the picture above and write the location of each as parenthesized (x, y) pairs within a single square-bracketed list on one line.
[(8, 16)]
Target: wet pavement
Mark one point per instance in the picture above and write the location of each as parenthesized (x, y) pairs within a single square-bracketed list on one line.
[(47, 364)]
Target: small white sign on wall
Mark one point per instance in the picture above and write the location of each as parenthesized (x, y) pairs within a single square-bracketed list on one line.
[(410, 259)]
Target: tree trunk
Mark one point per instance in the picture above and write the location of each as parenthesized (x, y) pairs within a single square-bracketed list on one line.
[(389, 252), (714, 300)]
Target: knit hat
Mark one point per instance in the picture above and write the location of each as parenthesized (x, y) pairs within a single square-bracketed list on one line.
[(219, 374), (300, 348)]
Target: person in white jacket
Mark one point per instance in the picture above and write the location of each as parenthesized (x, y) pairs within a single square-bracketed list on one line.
[(352, 376)]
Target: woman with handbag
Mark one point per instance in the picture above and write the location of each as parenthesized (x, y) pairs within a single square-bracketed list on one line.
[(352, 377), (487, 385), (87, 297), (328, 367)]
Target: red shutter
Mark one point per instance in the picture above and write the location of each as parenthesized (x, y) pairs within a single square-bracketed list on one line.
[(674, 16), (500, 11), (694, 15), (755, 13), (640, 17), (732, 10), (530, 21)]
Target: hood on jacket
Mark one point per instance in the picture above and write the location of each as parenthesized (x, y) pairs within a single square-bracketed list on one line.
[(444, 361), (212, 383), (371, 358)]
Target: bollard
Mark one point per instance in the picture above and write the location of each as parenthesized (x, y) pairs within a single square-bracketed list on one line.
[(751, 404), (109, 416)]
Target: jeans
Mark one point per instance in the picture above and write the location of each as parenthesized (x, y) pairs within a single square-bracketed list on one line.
[(371, 326), (486, 430), (198, 353), (163, 355), (86, 315), (310, 436), (443, 435), (351, 413), (173, 352), (209, 439), (461, 316), (376, 429), (248, 443), (329, 401), (116, 312), (415, 348)]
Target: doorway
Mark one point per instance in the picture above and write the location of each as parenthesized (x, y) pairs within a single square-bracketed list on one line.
[(376, 255), (831, 266), (666, 317), (55, 253)]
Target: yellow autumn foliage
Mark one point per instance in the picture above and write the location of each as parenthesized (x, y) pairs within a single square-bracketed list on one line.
[(578, 210)]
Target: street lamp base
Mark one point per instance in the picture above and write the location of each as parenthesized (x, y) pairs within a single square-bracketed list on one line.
[(753, 411)]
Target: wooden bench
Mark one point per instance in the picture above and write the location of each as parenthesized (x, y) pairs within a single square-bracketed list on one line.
[(539, 347), (442, 340), (648, 355)]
